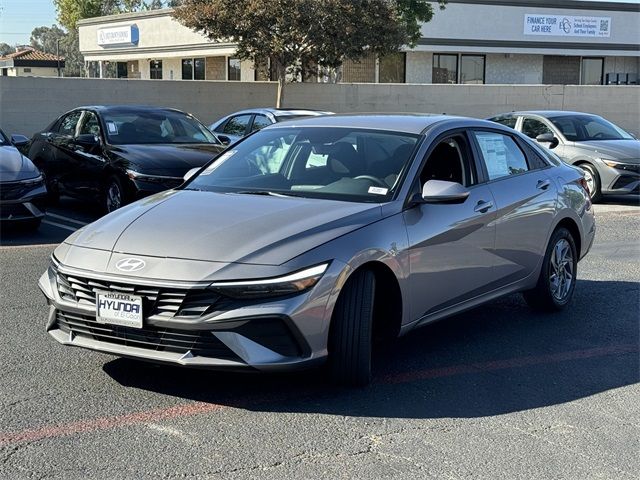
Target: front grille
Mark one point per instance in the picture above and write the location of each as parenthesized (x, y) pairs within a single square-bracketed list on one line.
[(157, 302), (14, 211), (17, 190), (624, 180), (199, 342)]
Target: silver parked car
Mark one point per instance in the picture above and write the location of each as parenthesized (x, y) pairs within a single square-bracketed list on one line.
[(233, 127), (313, 240), (609, 156)]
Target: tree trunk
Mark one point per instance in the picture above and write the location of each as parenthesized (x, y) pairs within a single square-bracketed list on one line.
[(281, 82)]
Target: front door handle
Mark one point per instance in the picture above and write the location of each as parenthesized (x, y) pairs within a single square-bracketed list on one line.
[(483, 207), (543, 184)]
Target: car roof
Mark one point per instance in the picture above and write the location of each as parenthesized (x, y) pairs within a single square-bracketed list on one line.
[(415, 123), (544, 113), (280, 112), (127, 108)]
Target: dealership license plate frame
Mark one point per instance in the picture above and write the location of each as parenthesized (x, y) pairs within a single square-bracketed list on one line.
[(109, 315)]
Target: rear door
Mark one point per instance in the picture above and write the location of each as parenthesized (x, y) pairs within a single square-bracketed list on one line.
[(525, 198), (61, 143), (86, 162)]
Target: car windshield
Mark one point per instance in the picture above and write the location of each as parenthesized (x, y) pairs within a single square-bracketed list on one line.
[(286, 118), (586, 128), (315, 162), (150, 127)]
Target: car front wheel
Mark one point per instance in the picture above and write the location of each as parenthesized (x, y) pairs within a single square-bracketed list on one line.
[(351, 332), (113, 195), (557, 279), (593, 182)]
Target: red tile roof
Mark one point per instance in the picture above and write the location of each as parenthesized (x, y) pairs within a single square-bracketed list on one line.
[(32, 54)]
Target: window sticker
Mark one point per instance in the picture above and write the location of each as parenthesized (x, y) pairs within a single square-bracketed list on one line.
[(378, 190), (494, 151), (112, 128), (218, 161)]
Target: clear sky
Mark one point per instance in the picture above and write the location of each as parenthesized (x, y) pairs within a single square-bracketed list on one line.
[(19, 17)]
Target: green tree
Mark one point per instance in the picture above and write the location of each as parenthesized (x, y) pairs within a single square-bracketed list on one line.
[(6, 49), (297, 33)]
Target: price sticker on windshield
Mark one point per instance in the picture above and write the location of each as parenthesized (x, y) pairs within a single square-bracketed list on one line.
[(378, 190)]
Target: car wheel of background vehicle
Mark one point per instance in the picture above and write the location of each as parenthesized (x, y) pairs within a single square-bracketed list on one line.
[(53, 194), (113, 196), (558, 275), (593, 182), (351, 331)]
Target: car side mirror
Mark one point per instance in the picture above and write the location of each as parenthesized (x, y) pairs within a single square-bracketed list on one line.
[(87, 140), (548, 138), (19, 140), (187, 176), (224, 139), (440, 191)]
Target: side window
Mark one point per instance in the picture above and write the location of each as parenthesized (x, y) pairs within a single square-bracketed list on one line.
[(237, 125), (450, 161), (259, 122), (90, 124), (501, 154), (69, 124), (532, 127), (506, 120)]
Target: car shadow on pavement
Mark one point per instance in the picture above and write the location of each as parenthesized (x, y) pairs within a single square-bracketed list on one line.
[(493, 360)]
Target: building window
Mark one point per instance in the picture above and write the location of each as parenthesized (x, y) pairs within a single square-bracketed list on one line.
[(155, 69), (361, 71), (27, 70), (392, 68), (592, 69), (198, 68), (187, 69), (472, 69), (233, 69), (445, 68)]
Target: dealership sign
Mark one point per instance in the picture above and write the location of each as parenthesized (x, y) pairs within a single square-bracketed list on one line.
[(127, 35), (567, 25)]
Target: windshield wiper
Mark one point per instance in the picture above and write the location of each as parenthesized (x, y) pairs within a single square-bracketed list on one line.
[(263, 192)]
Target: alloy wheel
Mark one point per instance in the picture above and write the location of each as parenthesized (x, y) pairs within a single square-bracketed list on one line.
[(591, 181), (561, 270)]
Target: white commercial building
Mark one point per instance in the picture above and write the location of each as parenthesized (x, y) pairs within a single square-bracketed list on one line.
[(471, 41)]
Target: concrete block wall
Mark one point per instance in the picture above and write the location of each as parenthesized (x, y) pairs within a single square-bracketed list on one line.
[(28, 105)]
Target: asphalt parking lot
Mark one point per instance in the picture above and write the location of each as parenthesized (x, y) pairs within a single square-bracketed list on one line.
[(498, 392)]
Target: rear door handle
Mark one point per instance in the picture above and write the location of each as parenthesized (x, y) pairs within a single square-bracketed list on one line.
[(483, 207), (543, 184)]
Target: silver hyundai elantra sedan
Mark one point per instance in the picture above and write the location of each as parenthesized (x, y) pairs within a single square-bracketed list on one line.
[(308, 242)]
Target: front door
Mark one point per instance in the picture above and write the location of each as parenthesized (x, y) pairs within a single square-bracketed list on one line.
[(450, 245)]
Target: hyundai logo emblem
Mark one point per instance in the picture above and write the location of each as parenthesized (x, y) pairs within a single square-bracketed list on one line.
[(130, 264)]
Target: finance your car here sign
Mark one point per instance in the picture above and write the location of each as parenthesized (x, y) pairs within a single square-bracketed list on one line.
[(125, 35), (566, 25)]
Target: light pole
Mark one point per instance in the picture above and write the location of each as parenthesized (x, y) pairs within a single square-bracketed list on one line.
[(58, 55)]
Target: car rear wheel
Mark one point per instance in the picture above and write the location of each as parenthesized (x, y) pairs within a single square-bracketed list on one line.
[(557, 279), (351, 332), (593, 181), (113, 195)]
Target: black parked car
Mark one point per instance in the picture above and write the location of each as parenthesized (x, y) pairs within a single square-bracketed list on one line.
[(117, 154), (22, 191)]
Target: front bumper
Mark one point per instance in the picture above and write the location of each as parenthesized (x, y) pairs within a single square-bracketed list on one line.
[(621, 181), (281, 334), (19, 204)]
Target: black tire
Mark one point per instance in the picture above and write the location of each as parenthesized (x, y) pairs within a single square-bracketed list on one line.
[(590, 170), (351, 331), (543, 297), (31, 225), (113, 186)]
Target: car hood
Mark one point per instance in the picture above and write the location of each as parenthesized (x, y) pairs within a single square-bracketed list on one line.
[(229, 228), (618, 149), (169, 160), (14, 166)]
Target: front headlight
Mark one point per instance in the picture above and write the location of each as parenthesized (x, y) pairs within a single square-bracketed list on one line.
[(32, 181), (633, 167), (271, 287), (143, 177)]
